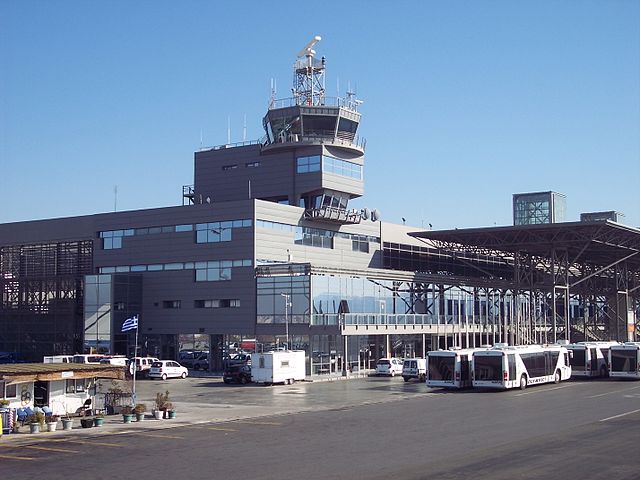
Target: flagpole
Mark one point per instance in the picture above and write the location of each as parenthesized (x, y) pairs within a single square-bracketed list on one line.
[(135, 365)]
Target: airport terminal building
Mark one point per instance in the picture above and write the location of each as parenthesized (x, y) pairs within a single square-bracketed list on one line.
[(266, 247)]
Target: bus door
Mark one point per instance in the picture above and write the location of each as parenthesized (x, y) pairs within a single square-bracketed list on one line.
[(511, 361), (593, 352)]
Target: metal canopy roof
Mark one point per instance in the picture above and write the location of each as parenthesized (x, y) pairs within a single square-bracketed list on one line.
[(600, 243)]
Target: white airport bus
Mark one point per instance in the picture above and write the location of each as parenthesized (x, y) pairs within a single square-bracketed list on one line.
[(590, 359), (518, 366), (450, 368), (624, 360)]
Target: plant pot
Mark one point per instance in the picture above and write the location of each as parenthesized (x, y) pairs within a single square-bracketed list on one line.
[(157, 414), (52, 426), (67, 423), (34, 427), (172, 414), (98, 422), (127, 417), (139, 417), (86, 422)]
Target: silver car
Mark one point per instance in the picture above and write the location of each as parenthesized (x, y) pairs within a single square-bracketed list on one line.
[(166, 369)]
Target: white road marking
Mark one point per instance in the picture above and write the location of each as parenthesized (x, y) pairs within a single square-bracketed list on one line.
[(618, 416)]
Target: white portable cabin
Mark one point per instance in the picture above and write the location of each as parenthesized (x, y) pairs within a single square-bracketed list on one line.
[(281, 366), (519, 366), (590, 359), (450, 368), (624, 360)]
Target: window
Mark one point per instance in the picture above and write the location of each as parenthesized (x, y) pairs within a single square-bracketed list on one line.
[(308, 164), (76, 385), (11, 391), (171, 304), (222, 303), (313, 237), (218, 231), (229, 167), (252, 164), (341, 167), (214, 271), (359, 243)]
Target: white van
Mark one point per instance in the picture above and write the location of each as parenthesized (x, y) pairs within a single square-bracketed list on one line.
[(117, 361), (414, 368), (58, 359)]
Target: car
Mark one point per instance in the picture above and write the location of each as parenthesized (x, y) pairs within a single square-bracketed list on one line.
[(167, 369), (196, 360), (143, 364), (238, 373), (414, 368), (389, 366)]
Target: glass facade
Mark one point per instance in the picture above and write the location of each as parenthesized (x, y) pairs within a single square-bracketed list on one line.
[(329, 164), (205, 232), (97, 313), (271, 301), (538, 208)]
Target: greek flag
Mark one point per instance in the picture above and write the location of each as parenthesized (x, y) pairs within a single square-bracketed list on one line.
[(130, 324)]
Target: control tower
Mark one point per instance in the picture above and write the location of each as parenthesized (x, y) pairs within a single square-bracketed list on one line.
[(311, 155)]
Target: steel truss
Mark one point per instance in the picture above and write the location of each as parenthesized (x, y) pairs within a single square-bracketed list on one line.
[(576, 281)]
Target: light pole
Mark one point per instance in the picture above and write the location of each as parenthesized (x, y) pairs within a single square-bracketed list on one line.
[(287, 304)]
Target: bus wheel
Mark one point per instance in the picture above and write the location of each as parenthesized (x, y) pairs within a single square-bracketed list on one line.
[(557, 377), (523, 382)]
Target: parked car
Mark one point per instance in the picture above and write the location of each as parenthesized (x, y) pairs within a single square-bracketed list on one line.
[(118, 361), (389, 366), (167, 369), (414, 368), (196, 360), (238, 373), (143, 365)]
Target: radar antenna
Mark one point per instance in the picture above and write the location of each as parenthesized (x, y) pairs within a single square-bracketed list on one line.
[(308, 81)]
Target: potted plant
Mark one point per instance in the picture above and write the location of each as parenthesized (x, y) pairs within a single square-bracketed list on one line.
[(127, 414), (4, 403), (162, 402), (139, 410), (98, 420), (86, 422), (171, 411), (36, 422), (52, 422)]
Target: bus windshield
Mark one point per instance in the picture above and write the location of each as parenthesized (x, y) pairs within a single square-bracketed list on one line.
[(623, 360)]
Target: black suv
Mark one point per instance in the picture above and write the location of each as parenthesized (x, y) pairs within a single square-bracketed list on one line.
[(239, 373)]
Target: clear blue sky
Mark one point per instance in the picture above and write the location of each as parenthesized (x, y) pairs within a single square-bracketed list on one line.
[(465, 103)]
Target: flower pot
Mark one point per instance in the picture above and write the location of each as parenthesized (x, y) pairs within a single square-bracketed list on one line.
[(52, 426), (157, 414), (139, 417), (86, 422), (67, 423), (98, 422), (127, 417), (172, 414), (34, 427)]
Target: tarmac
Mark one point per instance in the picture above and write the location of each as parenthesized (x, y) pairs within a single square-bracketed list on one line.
[(187, 413)]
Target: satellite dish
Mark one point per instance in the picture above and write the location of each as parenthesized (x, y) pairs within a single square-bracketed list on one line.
[(366, 213), (375, 215)]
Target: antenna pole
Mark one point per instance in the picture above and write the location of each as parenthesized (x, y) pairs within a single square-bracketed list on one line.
[(115, 198)]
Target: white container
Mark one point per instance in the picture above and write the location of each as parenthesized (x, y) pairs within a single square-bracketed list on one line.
[(282, 366)]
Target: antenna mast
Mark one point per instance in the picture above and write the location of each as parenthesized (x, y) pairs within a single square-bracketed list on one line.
[(308, 81)]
